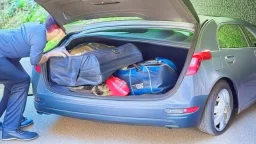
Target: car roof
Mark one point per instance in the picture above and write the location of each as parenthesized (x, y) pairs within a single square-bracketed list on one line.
[(221, 20)]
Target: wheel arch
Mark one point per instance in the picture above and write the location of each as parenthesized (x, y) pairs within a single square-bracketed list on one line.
[(233, 90), (206, 122)]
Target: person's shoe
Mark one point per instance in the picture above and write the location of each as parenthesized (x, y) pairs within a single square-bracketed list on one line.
[(24, 123), (19, 135)]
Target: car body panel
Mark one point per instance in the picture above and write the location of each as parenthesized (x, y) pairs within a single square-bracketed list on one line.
[(242, 72), (192, 91), (67, 11), (129, 112)]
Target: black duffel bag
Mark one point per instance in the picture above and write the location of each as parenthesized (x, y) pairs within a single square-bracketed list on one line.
[(93, 67)]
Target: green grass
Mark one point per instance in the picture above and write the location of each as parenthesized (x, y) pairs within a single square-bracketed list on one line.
[(231, 36), (251, 38), (241, 9), (16, 12), (244, 10)]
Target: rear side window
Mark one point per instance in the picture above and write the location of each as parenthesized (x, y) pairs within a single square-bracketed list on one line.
[(251, 38), (231, 36)]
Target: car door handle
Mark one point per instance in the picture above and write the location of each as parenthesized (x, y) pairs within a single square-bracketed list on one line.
[(230, 58)]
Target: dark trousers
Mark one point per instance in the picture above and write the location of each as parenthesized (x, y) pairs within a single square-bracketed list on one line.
[(16, 85)]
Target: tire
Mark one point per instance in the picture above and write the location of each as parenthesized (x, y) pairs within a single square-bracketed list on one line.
[(213, 110)]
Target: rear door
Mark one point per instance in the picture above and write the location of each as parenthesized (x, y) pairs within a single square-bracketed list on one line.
[(239, 56), (250, 34)]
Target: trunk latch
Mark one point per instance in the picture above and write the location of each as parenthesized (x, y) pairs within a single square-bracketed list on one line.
[(115, 51), (103, 2)]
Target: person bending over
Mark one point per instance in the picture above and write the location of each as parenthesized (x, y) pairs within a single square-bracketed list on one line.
[(28, 40)]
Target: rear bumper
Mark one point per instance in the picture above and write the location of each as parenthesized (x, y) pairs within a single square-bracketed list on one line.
[(117, 111), (170, 121)]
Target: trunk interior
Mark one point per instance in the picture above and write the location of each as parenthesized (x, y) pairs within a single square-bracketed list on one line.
[(149, 51)]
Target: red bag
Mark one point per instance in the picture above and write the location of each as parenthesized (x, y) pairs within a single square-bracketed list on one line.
[(117, 86)]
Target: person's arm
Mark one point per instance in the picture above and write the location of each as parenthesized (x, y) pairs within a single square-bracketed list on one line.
[(43, 59), (37, 43), (58, 52), (37, 46)]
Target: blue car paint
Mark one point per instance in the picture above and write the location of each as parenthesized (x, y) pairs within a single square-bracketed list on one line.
[(193, 91), (130, 112)]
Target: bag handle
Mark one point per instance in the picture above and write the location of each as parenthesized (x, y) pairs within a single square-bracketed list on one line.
[(137, 67), (130, 80), (149, 76), (150, 62)]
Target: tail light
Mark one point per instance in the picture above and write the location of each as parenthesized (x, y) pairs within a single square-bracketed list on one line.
[(196, 61), (191, 109), (38, 68), (182, 111)]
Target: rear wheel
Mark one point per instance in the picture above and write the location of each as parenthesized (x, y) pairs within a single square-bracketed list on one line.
[(218, 109)]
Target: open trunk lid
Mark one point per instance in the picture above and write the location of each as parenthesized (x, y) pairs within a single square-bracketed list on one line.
[(67, 11)]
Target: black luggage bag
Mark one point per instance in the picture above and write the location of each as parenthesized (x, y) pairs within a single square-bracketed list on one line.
[(94, 67)]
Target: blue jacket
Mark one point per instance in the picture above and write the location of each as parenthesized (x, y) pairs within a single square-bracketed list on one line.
[(27, 41)]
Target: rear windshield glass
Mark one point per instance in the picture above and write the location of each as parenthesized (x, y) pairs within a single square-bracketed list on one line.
[(80, 25), (156, 34)]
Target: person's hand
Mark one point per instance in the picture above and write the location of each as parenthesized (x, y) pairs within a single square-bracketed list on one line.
[(58, 52)]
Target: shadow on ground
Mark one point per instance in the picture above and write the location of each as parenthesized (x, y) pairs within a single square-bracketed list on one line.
[(57, 129)]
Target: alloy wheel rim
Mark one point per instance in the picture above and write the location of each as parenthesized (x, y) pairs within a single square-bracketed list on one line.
[(222, 110)]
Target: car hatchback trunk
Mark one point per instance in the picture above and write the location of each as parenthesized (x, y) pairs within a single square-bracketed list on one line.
[(166, 14), (149, 49)]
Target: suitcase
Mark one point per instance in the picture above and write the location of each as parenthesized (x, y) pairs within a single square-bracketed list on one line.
[(84, 48), (150, 77), (93, 67)]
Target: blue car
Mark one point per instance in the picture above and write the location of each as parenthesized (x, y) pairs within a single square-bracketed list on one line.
[(215, 59)]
